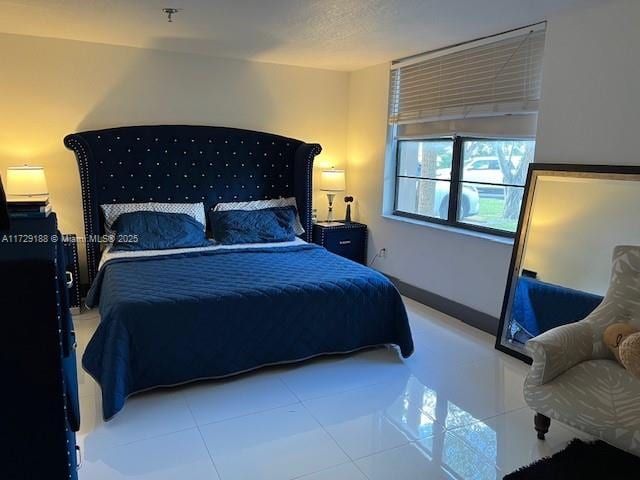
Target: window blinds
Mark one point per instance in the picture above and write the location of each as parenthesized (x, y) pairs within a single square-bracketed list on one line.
[(494, 76)]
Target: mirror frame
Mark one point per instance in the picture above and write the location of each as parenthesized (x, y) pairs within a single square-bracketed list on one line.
[(535, 171)]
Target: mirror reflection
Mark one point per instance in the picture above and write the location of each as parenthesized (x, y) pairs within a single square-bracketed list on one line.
[(572, 221)]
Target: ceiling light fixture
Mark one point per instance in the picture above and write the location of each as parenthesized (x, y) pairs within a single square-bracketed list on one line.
[(170, 12)]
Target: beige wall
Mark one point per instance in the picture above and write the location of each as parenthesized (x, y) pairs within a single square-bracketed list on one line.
[(54, 87), (590, 103), (589, 114)]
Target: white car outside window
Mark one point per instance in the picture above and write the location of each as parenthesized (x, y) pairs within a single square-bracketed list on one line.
[(483, 169)]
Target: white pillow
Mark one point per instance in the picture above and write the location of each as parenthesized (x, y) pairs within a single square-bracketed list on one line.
[(261, 205), (113, 210)]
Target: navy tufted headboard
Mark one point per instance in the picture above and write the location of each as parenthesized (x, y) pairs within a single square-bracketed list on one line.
[(187, 164)]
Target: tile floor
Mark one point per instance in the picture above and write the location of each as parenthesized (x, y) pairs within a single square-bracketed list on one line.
[(453, 410)]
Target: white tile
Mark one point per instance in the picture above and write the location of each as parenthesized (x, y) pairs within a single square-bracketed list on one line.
[(375, 418), (474, 392), (445, 349), (277, 444), (213, 401), (444, 344), (146, 415), (439, 457), (83, 335), (423, 318), (88, 320), (327, 376), (510, 440), (347, 471), (371, 401), (181, 455), (84, 326), (420, 316), (87, 386)]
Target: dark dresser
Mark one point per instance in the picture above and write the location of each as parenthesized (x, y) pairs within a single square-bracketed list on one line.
[(347, 239), (40, 403)]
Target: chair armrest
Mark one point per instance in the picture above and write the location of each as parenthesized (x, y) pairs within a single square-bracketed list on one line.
[(557, 350)]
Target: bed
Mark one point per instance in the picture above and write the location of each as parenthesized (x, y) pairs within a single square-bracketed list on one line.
[(176, 316)]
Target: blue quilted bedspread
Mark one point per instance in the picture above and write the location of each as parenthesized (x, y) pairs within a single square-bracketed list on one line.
[(178, 318)]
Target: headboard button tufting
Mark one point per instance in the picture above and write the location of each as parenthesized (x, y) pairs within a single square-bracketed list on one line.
[(113, 171)]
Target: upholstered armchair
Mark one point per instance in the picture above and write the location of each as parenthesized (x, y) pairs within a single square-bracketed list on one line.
[(574, 377)]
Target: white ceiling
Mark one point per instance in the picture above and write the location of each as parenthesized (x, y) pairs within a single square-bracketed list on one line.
[(333, 34)]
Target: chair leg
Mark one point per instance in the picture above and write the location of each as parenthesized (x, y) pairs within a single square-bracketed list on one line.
[(541, 423)]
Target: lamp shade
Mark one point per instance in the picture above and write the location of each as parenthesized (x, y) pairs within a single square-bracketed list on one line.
[(332, 180), (26, 181)]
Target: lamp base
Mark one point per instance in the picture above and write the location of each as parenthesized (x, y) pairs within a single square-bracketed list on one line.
[(330, 198)]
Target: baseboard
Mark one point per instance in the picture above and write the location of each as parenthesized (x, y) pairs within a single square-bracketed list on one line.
[(468, 315)]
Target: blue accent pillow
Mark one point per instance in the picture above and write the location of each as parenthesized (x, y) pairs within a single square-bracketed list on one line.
[(157, 231), (253, 226)]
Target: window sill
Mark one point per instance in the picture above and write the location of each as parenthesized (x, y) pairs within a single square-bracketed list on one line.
[(448, 228)]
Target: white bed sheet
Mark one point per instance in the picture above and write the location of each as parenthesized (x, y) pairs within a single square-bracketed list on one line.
[(108, 255)]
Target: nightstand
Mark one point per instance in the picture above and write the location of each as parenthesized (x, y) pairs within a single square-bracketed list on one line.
[(70, 244), (348, 240)]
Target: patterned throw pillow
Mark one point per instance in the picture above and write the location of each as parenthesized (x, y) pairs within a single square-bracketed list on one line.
[(113, 210), (263, 204)]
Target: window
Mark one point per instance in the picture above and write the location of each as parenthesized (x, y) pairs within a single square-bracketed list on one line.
[(467, 182), (462, 126), (424, 178)]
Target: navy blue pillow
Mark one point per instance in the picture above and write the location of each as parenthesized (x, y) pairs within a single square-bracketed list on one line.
[(253, 226), (157, 231)]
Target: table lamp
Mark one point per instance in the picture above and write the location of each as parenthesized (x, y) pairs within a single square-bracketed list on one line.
[(26, 184), (332, 181)]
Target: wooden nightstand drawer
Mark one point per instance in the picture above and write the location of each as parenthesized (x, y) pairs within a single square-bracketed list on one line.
[(348, 240)]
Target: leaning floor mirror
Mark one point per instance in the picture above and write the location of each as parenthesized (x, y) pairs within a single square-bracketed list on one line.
[(572, 217)]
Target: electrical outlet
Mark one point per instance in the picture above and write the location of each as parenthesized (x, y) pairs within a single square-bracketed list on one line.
[(382, 253)]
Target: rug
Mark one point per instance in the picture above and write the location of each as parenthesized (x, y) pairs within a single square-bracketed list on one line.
[(582, 461)]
